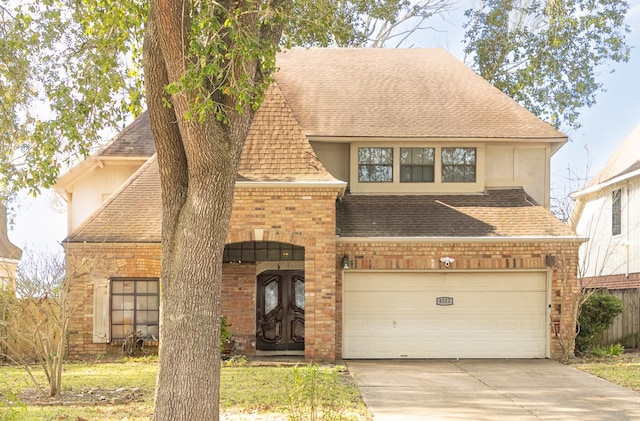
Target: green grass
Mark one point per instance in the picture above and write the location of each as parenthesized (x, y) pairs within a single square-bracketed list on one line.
[(246, 389), (623, 370)]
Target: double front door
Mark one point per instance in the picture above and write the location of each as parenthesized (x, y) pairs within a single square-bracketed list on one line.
[(280, 311)]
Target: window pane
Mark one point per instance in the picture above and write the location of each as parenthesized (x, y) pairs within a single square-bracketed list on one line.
[(375, 164), (117, 317), (127, 317), (141, 303), (459, 165), (153, 316), (153, 302), (270, 297), (116, 287), (128, 302), (117, 302), (153, 331), (141, 317), (416, 165), (616, 212), (141, 287), (117, 332), (299, 293), (128, 287), (152, 287)]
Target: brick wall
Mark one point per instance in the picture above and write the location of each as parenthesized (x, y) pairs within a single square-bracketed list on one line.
[(88, 263), (424, 256), (303, 217)]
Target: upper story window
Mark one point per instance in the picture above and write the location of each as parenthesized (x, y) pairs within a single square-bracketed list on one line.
[(417, 165), (616, 212), (375, 165), (459, 165)]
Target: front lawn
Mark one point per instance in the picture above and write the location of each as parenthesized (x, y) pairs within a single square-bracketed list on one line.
[(124, 390), (623, 370)]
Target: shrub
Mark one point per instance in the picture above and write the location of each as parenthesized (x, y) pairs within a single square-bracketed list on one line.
[(613, 350), (596, 315), (225, 335)]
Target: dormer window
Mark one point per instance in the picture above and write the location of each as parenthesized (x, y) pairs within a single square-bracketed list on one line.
[(458, 165), (375, 165), (417, 165)]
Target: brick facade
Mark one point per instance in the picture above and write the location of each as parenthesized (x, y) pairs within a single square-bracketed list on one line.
[(469, 255), (306, 217), (303, 217)]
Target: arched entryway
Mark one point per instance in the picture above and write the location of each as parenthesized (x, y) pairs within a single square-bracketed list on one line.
[(276, 272)]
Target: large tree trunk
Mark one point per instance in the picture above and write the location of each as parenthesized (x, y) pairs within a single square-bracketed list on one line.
[(198, 164)]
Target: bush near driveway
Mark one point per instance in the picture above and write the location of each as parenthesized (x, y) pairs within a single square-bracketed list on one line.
[(246, 393)]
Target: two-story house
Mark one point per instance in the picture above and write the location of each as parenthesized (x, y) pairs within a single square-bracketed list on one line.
[(606, 212), (389, 204)]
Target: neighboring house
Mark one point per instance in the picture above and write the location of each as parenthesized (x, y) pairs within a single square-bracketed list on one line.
[(606, 211), (10, 255), (389, 204)]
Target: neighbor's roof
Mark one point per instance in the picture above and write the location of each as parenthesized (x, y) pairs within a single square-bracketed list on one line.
[(496, 213), (378, 92), (624, 160)]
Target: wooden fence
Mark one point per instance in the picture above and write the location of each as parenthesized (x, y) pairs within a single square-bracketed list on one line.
[(626, 327)]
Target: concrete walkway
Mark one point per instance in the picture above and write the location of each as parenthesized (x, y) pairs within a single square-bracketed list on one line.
[(503, 390)]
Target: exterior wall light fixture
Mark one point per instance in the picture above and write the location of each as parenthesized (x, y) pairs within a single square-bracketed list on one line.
[(345, 262)]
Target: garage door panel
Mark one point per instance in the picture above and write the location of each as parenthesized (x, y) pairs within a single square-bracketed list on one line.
[(493, 315)]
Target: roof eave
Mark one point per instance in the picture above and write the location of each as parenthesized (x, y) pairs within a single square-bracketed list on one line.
[(600, 186), (510, 239)]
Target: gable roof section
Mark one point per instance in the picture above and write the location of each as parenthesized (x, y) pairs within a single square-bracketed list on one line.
[(276, 148), (624, 160), (132, 214), (496, 213), (378, 92)]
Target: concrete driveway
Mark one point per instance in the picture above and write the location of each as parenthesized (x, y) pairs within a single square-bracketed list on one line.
[(502, 390)]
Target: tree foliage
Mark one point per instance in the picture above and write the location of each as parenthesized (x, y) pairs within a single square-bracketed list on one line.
[(546, 54)]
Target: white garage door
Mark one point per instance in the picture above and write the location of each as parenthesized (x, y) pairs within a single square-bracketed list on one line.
[(444, 315)]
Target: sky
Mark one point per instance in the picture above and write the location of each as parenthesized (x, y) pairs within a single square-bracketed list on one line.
[(40, 223)]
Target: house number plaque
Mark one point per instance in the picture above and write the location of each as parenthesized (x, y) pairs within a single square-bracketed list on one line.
[(444, 301)]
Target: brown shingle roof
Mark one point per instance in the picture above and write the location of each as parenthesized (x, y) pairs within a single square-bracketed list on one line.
[(131, 214), (135, 140), (276, 148), (496, 213), (399, 93)]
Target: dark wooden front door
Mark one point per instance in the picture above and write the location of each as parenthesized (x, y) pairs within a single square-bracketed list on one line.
[(280, 311)]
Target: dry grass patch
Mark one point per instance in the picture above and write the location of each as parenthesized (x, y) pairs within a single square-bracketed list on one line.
[(623, 370), (125, 390)]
